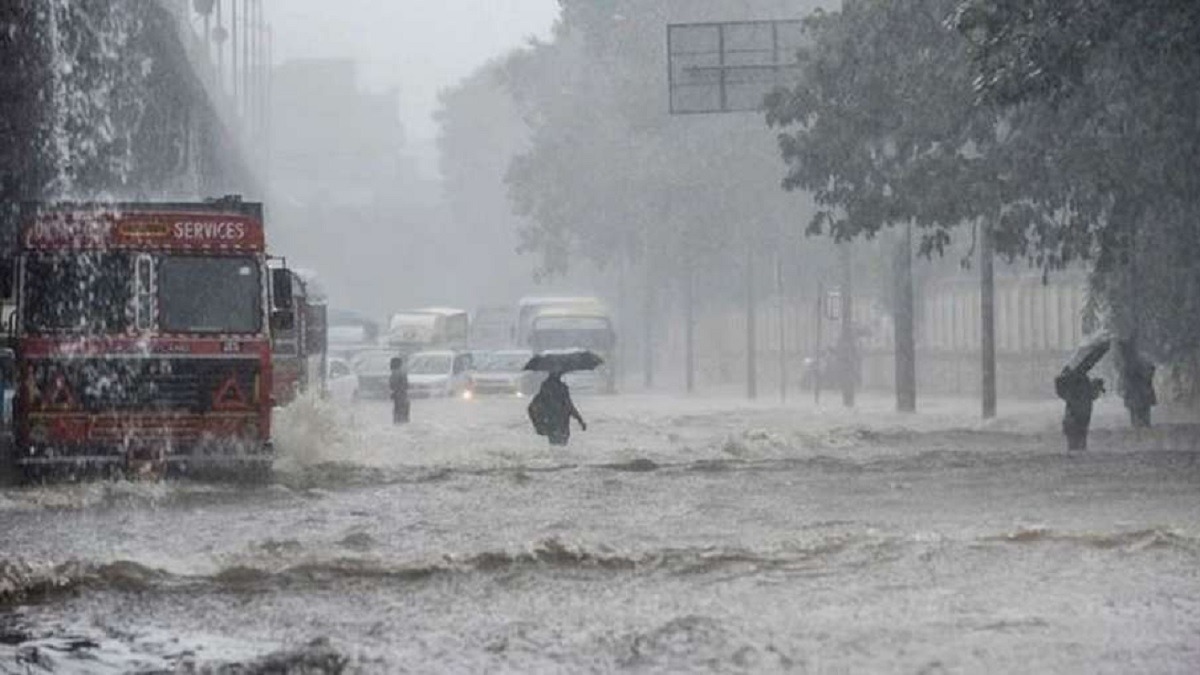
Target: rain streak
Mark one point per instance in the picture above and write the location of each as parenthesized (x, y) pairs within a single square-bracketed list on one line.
[(599, 336)]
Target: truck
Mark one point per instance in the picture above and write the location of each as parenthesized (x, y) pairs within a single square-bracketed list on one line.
[(492, 327), (298, 352), (530, 306), (350, 333), (142, 339), (430, 328)]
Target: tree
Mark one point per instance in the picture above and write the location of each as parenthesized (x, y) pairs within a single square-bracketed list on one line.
[(611, 178), (1102, 97), (882, 129)]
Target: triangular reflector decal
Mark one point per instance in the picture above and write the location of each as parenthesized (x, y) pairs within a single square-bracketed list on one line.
[(229, 395)]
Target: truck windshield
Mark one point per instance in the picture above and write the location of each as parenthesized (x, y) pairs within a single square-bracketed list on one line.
[(81, 293), (597, 339), (209, 294)]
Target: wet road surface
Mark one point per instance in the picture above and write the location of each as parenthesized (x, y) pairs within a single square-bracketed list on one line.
[(694, 535)]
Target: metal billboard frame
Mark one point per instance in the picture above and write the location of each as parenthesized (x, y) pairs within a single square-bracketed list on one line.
[(782, 58)]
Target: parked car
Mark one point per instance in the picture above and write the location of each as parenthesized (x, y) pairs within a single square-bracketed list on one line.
[(504, 373), (439, 373), (340, 380), (372, 370)]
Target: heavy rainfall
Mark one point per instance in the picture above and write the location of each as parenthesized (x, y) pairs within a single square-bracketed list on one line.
[(599, 335)]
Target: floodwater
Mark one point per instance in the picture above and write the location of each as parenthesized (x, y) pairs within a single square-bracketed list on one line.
[(699, 534)]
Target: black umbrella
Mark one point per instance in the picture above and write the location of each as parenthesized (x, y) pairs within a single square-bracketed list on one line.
[(564, 361), (1090, 351)]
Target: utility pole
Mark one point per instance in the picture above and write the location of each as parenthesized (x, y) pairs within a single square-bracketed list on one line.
[(207, 32), (233, 44), (689, 317), (218, 36), (623, 314), (751, 330), (987, 316), (648, 323), (246, 67), (783, 380), (906, 348)]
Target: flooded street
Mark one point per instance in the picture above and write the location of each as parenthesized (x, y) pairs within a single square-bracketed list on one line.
[(676, 534), (346, 254)]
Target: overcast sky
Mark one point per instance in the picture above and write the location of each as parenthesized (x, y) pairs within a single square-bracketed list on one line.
[(419, 46)]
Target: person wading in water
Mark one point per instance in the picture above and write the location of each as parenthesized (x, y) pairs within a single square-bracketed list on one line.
[(552, 409), (1080, 392), (398, 383)]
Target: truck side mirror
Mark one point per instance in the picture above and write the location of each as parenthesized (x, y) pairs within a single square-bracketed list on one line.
[(281, 288)]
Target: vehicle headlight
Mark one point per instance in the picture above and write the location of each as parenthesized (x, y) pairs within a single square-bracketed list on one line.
[(467, 395)]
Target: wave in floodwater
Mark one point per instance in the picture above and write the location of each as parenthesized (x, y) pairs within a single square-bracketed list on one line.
[(322, 443), (24, 582)]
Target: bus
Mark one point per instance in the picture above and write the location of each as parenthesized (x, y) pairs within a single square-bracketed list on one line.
[(427, 329), (142, 339), (576, 324)]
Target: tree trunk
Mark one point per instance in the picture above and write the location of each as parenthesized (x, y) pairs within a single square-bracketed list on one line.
[(987, 316), (818, 356), (848, 350), (906, 347)]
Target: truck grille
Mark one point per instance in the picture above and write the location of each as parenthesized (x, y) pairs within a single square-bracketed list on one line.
[(103, 385)]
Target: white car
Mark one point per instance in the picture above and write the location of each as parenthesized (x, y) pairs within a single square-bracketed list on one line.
[(503, 373), (373, 371), (340, 380), (441, 373)]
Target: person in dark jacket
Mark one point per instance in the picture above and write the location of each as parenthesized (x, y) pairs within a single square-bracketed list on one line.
[(398, 383), (1080, 392), (1137, 385), (551, 411)]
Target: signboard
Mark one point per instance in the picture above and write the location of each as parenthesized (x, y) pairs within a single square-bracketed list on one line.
[(143, 231), (730, 67)]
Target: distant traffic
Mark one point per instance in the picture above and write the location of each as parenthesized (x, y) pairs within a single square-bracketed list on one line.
[(455, 353)]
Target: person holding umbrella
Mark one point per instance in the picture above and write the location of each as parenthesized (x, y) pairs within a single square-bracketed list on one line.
[(1080, 391), (551, 409)]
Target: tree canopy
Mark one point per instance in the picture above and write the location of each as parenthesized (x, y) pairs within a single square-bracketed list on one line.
[(1070, 127)]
